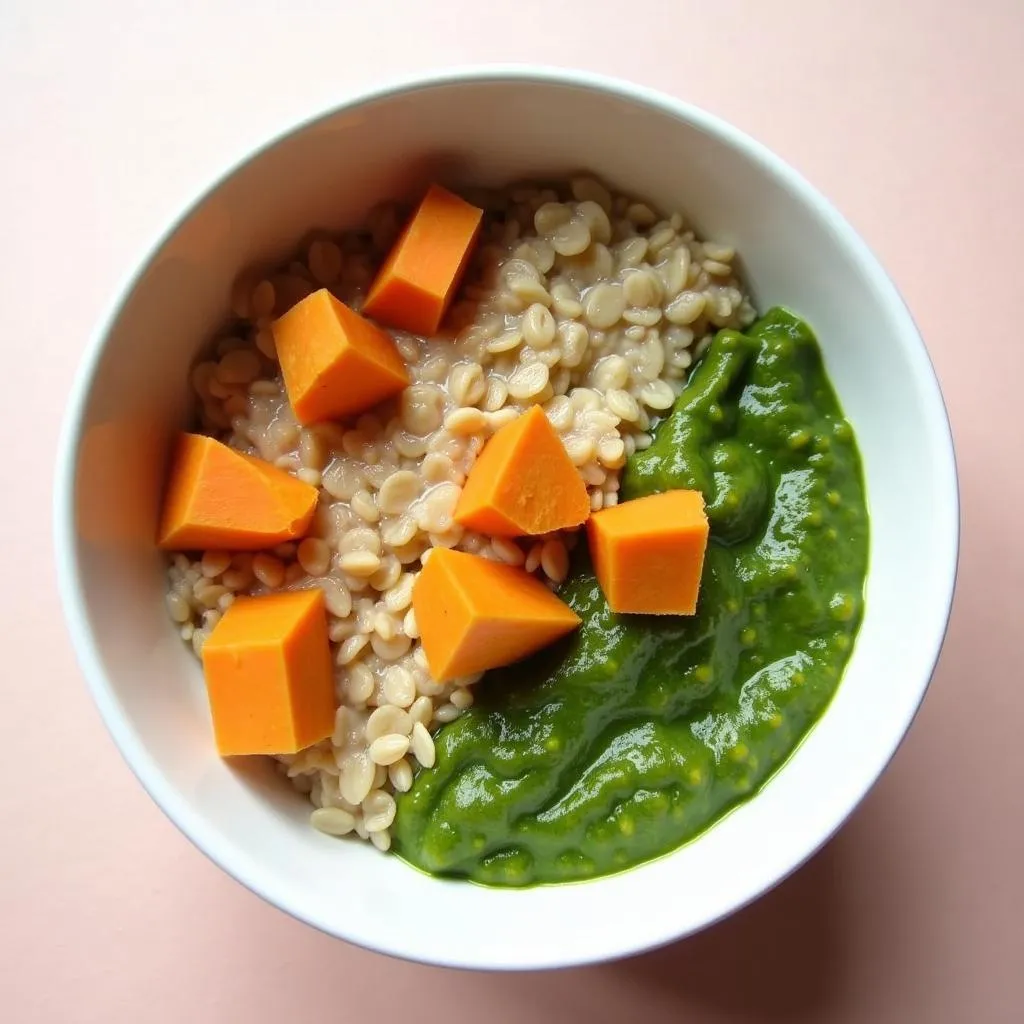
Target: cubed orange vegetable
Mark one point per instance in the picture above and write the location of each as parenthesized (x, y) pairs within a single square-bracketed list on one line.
[(474, 614), (523, 483), (334, 362), (649, 553), (415, 286), (219, 498), (269, 676)]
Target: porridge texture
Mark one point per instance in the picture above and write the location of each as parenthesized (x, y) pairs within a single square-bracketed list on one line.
[(590, 304)]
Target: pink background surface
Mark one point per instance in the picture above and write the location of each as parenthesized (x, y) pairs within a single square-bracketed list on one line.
[(909, 116)]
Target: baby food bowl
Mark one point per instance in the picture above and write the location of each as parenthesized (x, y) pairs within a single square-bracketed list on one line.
[(486, 127)]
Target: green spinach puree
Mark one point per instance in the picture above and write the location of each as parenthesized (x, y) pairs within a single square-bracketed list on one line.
[(638, 732)]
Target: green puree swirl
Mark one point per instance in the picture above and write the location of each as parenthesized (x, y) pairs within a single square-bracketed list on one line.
[(638, 732)]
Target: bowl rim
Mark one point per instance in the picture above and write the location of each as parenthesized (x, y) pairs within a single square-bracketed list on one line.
[(68, 569)]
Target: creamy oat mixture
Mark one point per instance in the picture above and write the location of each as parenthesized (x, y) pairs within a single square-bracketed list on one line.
[(588, 303)]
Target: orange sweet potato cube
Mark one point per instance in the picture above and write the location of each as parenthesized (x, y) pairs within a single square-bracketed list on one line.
[(415, 287), (474, 614), (523, 482), (648, 553), (335, 363), (217, 497), (269, 676)]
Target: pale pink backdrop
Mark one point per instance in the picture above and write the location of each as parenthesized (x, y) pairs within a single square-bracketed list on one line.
[(909, 115)]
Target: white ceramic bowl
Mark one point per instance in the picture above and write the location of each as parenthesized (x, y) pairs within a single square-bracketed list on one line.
[(487, 126)]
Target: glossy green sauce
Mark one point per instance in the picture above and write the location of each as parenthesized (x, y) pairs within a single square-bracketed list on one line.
[(638, 732)]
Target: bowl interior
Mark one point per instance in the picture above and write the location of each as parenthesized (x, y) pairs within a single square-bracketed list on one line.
[(794, 250)]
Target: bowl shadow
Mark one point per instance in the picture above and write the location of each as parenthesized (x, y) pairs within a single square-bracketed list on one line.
[(781, 958)]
